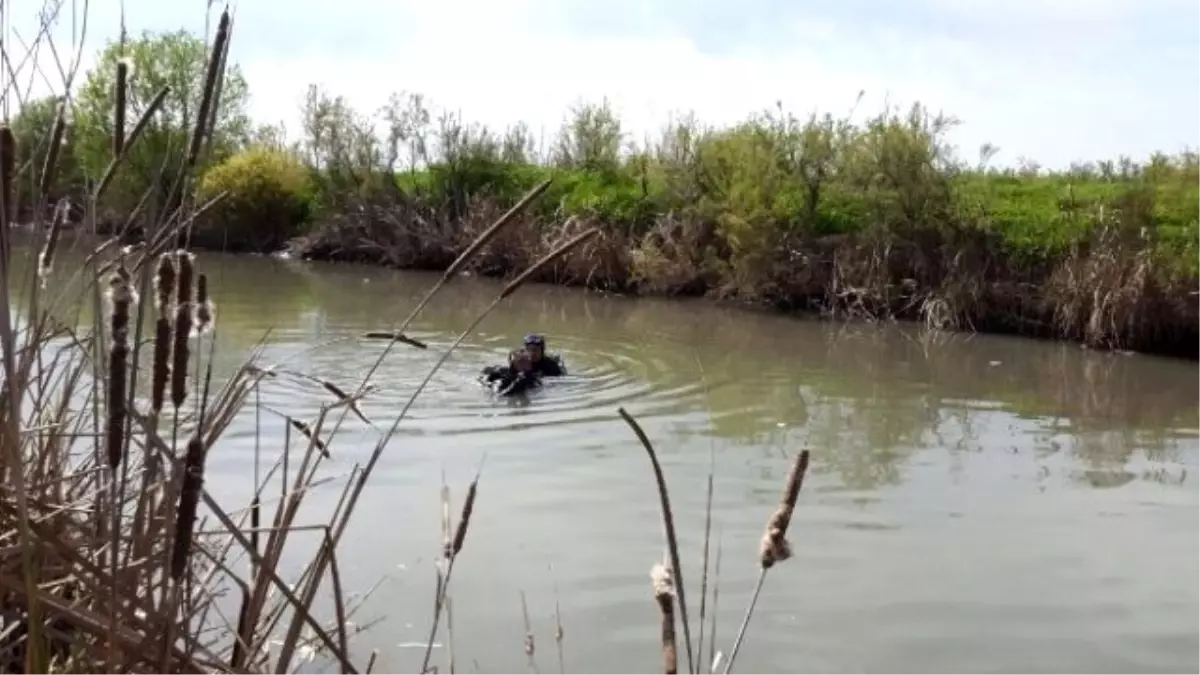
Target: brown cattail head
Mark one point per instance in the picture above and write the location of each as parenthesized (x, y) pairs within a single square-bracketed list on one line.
[(46, 258), (180, 350), (164, 283), (161, 371), (204, 306), (664, 594), (8, 163), (305, 429), (189, 500), (118, 138), (775, 546), (464, 519), (122, 297), (207, 97), (50, 165), (185, 264)]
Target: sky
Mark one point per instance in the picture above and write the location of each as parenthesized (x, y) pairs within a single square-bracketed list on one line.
[(1053, 81)]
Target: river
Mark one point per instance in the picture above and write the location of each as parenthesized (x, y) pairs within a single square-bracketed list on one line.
[(975, 503)]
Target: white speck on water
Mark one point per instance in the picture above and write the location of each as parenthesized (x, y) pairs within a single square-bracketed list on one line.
[(993, 363)]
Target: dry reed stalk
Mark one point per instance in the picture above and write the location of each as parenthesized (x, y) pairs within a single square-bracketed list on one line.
[(528, 644), (451, 549), (115, 162), (713, 654), (664, 594), (668, 518), (774, 547), (558, 628)]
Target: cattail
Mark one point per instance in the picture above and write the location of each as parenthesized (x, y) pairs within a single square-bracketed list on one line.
[(183, 327), (303, 428), (164, 283), (151, 109), (122, 296), (50, 165), (464, 519), (189, 500), (118, 138), (161, 371), (775, 546), (207, 98), (8, 159), (343, 397), (204, 306), (46, 257), (664, 595)]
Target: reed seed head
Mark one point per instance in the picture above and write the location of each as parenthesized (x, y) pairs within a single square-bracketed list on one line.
[(46, 257), (50, 164), (122, 297), (118, 138), (189, 500), (161, 368), (464, 519), (774, 546), (185, 263), (164, 283), (204, 306), (664, 594), (180, 350), (8, 163)]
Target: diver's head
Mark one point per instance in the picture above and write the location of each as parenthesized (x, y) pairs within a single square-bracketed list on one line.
[(522, 361), (535, 345)]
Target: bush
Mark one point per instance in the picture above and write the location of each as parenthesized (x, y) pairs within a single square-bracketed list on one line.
[(269, 200)]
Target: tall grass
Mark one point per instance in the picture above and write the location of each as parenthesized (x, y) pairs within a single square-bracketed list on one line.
[(115, 554)]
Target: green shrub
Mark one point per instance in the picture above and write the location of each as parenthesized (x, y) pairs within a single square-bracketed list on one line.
[(268, 201)]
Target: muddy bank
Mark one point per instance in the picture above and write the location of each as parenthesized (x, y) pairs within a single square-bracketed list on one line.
[(1109, 294)]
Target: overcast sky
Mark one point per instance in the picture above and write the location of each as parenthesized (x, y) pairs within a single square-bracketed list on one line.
[(1055, 81)]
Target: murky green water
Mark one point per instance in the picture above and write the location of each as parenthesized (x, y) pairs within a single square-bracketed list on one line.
[(978, 504)]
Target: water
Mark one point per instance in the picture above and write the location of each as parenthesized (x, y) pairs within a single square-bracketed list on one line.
[(977, 504)]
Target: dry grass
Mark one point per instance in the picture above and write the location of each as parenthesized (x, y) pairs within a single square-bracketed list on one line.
[(114, 555)]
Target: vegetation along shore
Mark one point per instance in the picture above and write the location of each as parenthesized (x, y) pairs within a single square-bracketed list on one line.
[(870, 216)]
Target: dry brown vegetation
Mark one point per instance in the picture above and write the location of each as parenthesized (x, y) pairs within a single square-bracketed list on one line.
[(116, 557)]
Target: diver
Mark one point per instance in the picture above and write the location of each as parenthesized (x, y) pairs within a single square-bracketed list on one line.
[(518, 377), (544, 364)]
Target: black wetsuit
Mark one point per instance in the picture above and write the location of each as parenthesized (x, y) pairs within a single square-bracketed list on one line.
[(508, 382), (549, 366)]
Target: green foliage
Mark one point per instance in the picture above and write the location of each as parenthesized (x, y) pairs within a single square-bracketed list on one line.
[(178, 60), (268, 199)]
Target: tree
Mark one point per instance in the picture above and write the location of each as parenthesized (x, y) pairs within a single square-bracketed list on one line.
[(175, 59)]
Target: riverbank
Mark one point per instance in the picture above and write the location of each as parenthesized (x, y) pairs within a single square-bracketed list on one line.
[(867, 216), (1110, 288)]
